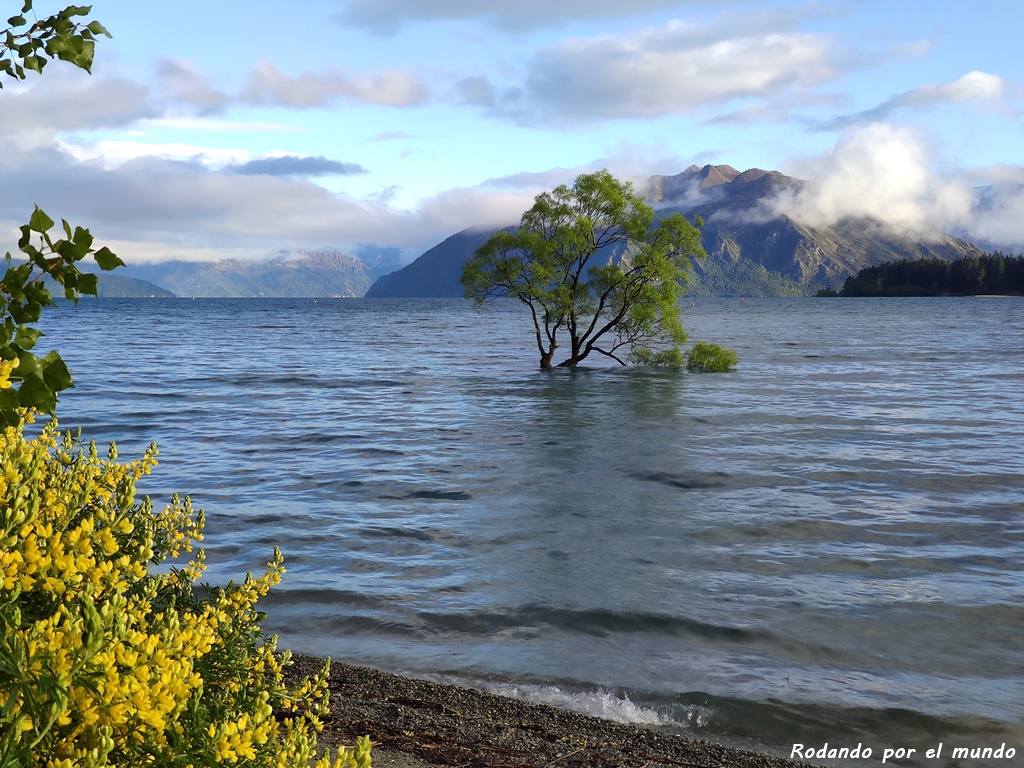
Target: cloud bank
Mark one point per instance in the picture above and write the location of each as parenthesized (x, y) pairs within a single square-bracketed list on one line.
[(675, 68), (980, 89), (393, 88), (162, 208), (890, 173)]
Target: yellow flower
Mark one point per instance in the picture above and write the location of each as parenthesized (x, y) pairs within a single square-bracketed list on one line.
[(6, 367), (117, 651)]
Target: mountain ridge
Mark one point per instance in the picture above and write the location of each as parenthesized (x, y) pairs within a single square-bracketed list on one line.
[(315, 274), (751, 249)]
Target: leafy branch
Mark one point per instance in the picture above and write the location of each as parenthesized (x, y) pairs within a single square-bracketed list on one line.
[(24, 291), (29, 381), (57, 37)]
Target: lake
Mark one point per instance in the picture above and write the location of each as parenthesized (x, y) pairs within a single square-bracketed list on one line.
[(825, 545)]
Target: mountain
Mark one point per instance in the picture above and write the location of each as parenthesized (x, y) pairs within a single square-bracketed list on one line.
[(739, 227), (751, 250), (436, 273), (114, 286), (317, 274), (119, 286)]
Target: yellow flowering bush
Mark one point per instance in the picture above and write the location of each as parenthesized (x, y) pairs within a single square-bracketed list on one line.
[(107, 659)]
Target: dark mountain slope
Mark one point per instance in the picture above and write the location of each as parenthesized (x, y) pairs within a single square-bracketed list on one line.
[(436, 273)]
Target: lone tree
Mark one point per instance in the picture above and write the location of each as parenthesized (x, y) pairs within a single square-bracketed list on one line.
[(593, 273)]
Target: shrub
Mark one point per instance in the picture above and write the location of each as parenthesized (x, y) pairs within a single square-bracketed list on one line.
[(710, 358), (107, 660)]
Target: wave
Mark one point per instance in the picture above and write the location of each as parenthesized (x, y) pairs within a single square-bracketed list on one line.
[(609, 705), (595, 622)]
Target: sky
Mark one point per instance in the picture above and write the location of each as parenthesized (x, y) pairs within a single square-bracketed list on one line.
[(233, 129)]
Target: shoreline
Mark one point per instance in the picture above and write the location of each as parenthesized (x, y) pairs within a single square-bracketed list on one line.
[(417, 723)]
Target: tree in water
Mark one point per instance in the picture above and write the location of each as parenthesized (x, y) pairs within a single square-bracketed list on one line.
[(594, 273)]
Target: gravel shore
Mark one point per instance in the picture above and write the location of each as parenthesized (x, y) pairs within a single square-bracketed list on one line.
[(418, 724)]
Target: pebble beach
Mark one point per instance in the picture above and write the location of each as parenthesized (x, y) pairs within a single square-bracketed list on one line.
[(416, 723)]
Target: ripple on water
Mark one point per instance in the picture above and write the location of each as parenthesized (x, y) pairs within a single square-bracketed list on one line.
[(826, 543)]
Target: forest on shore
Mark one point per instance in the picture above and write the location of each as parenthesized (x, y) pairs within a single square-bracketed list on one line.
[(994, 274)]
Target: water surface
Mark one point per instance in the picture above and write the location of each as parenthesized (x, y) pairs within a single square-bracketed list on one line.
[(825, 544)]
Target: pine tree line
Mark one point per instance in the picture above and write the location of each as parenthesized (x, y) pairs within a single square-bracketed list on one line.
[(997, 273)]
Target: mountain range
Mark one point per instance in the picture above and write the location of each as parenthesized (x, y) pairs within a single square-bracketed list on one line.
[(753, 250), (322, 274)]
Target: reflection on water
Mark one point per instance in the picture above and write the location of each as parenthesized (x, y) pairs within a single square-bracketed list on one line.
[(827, 542)]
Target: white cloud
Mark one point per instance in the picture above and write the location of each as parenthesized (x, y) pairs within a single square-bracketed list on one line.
[(999, 219), (134, 252), (456, 209), (186, 84), (393, 88), (978, 89), (880, 171), (116, 152), (678, 67), (69, 101), (168, 208), (215, 125)]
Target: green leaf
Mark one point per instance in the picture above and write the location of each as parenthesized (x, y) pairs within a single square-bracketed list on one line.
[(34, 393), (28, 312), (9, 404), (82, 236), (26, 337), (39, 222), (98, 29), (57, 47), (88, 284), (56, 373), (16, 21), (29, 365), (107, 260)]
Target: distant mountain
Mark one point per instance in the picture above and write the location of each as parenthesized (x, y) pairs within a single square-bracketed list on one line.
[(751, 252), (320, 274), (380, 260), (435, 274), (119, 286), (113, 286)]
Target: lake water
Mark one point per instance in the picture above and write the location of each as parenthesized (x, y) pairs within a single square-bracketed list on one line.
[(824, 545)]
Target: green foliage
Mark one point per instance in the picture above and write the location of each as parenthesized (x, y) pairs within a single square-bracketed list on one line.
[(988, 274), (591, 269), (34, 381), (108, 656), (710, 358), (26, 46), (743, 277)]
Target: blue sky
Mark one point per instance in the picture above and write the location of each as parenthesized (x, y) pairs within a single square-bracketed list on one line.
[(242, 129)]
